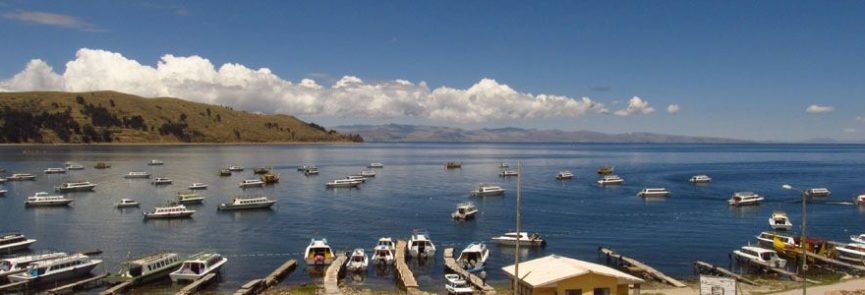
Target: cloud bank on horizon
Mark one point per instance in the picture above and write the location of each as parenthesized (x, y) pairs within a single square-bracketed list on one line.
[(197, 79)]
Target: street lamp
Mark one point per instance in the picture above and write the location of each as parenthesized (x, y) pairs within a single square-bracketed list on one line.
[(802, 239)]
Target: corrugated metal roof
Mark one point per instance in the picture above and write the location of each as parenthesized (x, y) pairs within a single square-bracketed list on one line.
[(546, 271)]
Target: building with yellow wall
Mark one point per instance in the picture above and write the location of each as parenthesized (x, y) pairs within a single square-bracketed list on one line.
[(557, 275)]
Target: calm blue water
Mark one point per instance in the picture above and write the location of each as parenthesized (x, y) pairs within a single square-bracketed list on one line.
[(414, 191)]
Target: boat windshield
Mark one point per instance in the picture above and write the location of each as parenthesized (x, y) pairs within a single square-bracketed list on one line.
[(5, 266), (766, 256), (358, 258)]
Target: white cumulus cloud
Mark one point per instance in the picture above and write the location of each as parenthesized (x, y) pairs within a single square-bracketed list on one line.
[(817, 108), (636, 105), (673, 108)]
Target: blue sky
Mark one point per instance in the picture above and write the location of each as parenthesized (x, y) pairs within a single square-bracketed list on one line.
[(741, 69)]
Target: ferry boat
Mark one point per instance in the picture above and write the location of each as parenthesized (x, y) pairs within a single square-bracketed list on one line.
[(75, 187), (562, 175), (247, 202), (858, 239), (270, 178), (137, 174), (251, 183), (474, 257), (367, 173), (198, 266), (702, 178), (303, 167), (148, 268), (780, 221), (606, 170), (14, 241), (507, 172), (74, 166), (161, 181), (853, 252), (384, 251), (745, 199), (21, 176), (456, 285), (224, 172), (56, 270), (859, 200), (524, 238), (189, 198), (767, 240), (126, 203), (155, 162), (54, 171), (653, 192), (198, 186), (356, 178), (19, 264), (310, 171), (235, 168), (261, 170), (318, 252), (357, 261), (176, 211), (343, 183), (760, 256), (420, 244), (453, 165), (465, 211), (485, 190), (375, 165), (43, 199), (611, 180), (102, 165), (817, 192)]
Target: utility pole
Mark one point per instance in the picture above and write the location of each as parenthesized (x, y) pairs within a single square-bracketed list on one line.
[(519, 235), (804, 242)]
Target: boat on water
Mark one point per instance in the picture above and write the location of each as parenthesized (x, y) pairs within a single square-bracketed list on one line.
[(337, 183), (235, 168), (859, 200), (14, 241), (465, 211), (606, 170), (817, 192), (137, 174), (303, 167), (198, 266), (356, 178), (189, 198), (73, 166), (611, 180), (310, 171), (102, 165), (508, 172), (127, 203), (148, 268), (155, 162), (261, 170), (375, 165), (318, 252), (358, 261), (224, 172), (453, 165), (21, 177), (19, 264), (456, 285), (760, 256), (43, 199), (524, 238), (3, 192), (474, 257), (45, 272), (251, 183), (780, 221), (169, 212), (485, 190), (858, 238), (702, 178), (67, 187), (247, 202), (420, 244), (565, 174), (504, 165), (384, 251), (161, 181), (270, 178), (852, 252), (745, 199), (54, 171), (654, 192), (767, 240), (367, 173), (197, 186)]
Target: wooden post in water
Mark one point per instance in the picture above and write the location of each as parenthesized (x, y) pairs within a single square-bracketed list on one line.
[(517, 247)]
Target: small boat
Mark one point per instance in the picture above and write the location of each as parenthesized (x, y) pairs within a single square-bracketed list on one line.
[(251, 183), (357, 261), (565, 174), (14, 241), (745, 199), (224, 172), (247, 202), (102, 165), (853, 252), (304, 167), (126, 203), (43, 199), (148, 268), (270, 178), (456, 285), (161, 181), (343, 183), (21, 176), (3, 192), (767, 239), (2, 180), (375, 165), (175, 211), (198, 186), (760, 256), (702, 178), (318, 252), (504, 165), (859, 200), (74, 166), (310, 171), (465, 211), (235, 168), (453, 165), (653, 192), (606, 170), (198, 266), (46, 272), (367, 173), (55, 171), (384, 251), (780, 221), (261, 170), (155, 162), (356, 178), (487, 190), (507, 172), (137, 174), (19, 264), (420, 244), (524, 238), (474, 257), (858, 239), (75, 187), (189, 198), (611, 180), (817, 192)]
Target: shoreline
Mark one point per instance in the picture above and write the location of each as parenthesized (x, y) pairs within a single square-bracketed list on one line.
[(175, 143)]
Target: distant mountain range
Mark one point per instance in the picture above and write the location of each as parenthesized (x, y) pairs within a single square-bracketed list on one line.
[(423, 133)]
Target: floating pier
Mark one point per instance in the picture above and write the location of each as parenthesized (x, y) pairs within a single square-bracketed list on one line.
[(257, 286), (72, 287), (827, 260), (452, 265), (196, 285), (331, 276), (636, 266), (705, 267), (403, 273)]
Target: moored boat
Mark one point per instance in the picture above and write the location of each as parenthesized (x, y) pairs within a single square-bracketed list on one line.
[(189, 198), (235, 168), (198, 186), (484, 190), (75, 187), (524, 238), (137, 174), (859, 200), (767, 240), (43, 199), (465, 211), (19, 264), (858, 238), (198, 266), (155, 162), (420, 244), (702, 178), (358, 261), (564, 174), (367, 173), (745, 199), (318, 252), (54, 171), (126, 203), (14, 241), (852, 252), (21, 177), (508, 172), (310, 171), (337, 183), (261, 170), (610, 180), (224, 172), (817, 192), (375, 165), (148, 268), (456, 285), (653, 192), (453, 165), (251, 183), (474, 257), (73, 166), (60, 269), (780, 221), (161, 181), (606, 170), (384, 251), (247, 202), (270, 178), (760, 256), (102, 165), (169, 212)]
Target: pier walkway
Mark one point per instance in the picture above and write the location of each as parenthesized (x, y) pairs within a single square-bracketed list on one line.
[(452, 266), (637, 266), (331, 277), (257, 286)]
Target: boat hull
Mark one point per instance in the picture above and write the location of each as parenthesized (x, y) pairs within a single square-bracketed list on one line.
[(88, 188), (168, 216), (48, 204), (121, 206), (654, 195), (5, 249), (57, 277), (229, 207)]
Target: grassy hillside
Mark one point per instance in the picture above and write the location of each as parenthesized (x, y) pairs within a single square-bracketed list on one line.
[(107, 116)]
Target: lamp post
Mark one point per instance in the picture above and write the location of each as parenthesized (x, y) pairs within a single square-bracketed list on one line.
[(517, 249), (802, 239)]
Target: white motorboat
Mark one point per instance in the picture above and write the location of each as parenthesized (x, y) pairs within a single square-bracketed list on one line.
[(189, 198), (504, 165), (161, 181), (318, 252), (817, 192), (611, 180), (43, 199), (357, 261), (75, 187), (126, 203), (21, 176), (235, 168), (247, 202), (859, 200), (19, 264), (137, 174), (2, 180), (702, 178), (198, 186), (420, 244), (155, 162), (73, 166), (367, 173), (49, 271), (149, 268), (456, 285), (343, 183), (3, 192), (474, 257), (780, 221), (356, 178), (745, 199), (654, 192), (176, 211), (853, 252), (54, 171), (465, 211), (767, 240), (304, 167), (524, 238), (375, 165), (508, 172), (251, 183), (858, 238), (485, 190), (760, 256), (384, 251), (198, 266), (14, 241), (565, 174), (310, 171)]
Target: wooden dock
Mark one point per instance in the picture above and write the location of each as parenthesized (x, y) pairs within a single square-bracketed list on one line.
[(403, 273), (257, 286), (72, 287), (196, 285), (452, 266), (638, 267), (252, 287), (705, 267), (837, 263), (331, 276), (12, 286), (117, 289)]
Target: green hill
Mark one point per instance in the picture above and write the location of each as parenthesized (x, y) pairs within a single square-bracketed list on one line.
[(113, 117)]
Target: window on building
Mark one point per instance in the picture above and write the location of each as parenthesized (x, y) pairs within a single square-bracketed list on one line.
[(602, 291), (573, 292)]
